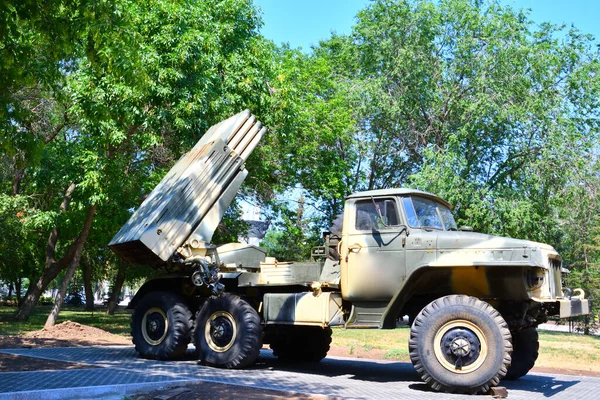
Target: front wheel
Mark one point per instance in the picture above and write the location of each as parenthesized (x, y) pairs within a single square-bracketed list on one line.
[(460, 344), (228, 332)]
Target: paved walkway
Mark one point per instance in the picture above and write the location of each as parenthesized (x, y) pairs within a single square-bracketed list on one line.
[(121, 373)]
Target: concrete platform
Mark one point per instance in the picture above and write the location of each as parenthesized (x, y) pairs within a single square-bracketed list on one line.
[(122, 373)]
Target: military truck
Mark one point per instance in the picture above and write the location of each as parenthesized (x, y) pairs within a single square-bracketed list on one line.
[(473, 300)]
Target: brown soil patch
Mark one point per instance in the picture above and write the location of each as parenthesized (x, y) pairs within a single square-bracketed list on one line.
[(65, 334), (575, 372), (15, 363)]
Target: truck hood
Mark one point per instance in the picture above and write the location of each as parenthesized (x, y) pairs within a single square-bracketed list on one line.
[(470, 248), (453, 240)]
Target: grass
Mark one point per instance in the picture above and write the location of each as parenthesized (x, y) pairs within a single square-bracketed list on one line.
[(392, 342), (557, 350), (569, 351), (118, 323)]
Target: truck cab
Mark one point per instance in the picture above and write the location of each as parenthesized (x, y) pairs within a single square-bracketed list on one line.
[(404, 243)]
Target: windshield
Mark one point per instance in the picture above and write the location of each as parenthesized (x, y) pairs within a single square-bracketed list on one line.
[(428, 214)]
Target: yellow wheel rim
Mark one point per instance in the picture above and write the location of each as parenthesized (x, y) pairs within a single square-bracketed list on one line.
[(220, 331), (155, 325), (444, 343)]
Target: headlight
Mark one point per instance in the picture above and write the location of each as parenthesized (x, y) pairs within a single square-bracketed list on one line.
[(535, 278)]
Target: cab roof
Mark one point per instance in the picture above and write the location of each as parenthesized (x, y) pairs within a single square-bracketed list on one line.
[(399, 192)]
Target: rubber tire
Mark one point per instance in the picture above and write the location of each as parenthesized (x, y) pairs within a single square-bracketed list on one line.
[(179, 318), (302, 343), (247, 341), (525, 353), (459, 307)]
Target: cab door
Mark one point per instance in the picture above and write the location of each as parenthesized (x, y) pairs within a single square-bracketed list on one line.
[(372, 255)]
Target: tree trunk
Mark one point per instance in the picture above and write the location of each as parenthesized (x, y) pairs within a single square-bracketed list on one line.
[(72, 267), (51, 268), (60, 296), (113, 302), (19, 175), (34, 291), (87, 284), (18, 290), (10, 290)]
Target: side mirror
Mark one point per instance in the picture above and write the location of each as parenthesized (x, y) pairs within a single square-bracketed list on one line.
[(466, 228)]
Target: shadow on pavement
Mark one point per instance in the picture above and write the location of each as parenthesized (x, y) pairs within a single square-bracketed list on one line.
[(373, 371), (362, 370), (546, 385)]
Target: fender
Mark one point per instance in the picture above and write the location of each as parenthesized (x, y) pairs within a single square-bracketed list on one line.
[(176, 283), (402, 296), (484, 282)]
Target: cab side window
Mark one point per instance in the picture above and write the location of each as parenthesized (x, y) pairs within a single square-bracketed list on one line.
[(367, 215)]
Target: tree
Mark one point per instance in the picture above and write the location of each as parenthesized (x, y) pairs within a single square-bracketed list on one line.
[(311, 144), (58, 301), (138, 84), (473, 102), (580, 246), (20, 224)]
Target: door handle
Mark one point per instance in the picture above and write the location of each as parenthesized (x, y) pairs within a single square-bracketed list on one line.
[(355, 248)]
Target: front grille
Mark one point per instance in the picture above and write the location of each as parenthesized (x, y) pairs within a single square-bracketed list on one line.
[(555, 278)]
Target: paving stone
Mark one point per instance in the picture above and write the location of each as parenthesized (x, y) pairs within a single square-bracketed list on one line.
[(334, 376)]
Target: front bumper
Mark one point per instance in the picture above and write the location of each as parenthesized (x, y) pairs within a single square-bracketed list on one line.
[(567, 306), (573, 307)]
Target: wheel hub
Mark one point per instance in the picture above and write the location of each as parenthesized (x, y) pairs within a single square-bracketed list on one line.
[(460, 346), (220, 331), (154, 326)]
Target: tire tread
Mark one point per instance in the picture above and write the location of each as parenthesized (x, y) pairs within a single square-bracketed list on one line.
[(417, 329)]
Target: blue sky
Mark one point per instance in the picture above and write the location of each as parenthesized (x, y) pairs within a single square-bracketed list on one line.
[(302, 23)]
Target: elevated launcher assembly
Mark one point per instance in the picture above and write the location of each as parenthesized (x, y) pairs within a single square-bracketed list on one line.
[(177, 220)]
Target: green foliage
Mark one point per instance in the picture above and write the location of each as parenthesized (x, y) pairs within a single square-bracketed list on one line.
[(293, 237), (232, 226), (587, 279), (311, 142), (581, 245), (474, 103), (107, 95), (20, 225)]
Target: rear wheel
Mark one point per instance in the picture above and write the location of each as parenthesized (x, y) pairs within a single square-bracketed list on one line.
[(525, 353), (301, 343), (228, 332), (460, 344), (161, 325)]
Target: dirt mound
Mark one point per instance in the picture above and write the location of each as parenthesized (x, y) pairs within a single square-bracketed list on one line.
[(65, 334), (70, 330)]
